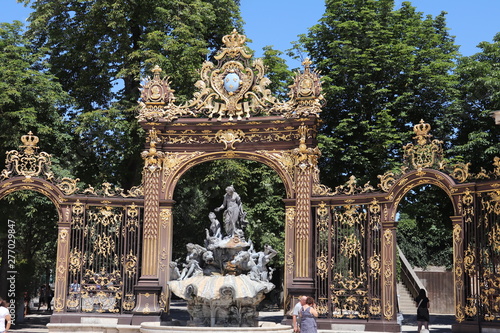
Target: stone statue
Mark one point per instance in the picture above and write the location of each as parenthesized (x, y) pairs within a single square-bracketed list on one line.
[(262, 261), (192, 264), (234, 216), (174, 271), (215, 228), (245, 263)]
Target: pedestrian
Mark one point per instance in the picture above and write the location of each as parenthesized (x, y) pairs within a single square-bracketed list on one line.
[(423, 305), (41, 296), (296, 312), (5, 319), (308, 315), (49, 294)]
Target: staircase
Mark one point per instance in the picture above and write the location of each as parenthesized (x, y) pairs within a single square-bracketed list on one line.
[(406, 303)]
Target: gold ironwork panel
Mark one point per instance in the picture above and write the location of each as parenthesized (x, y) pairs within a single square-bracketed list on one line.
[(348, 272), (104, 258)]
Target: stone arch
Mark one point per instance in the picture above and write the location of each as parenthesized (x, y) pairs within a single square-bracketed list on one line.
[(196, 159)]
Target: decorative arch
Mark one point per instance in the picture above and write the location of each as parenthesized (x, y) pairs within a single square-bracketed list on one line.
[(418, 178), (39, 185), (272, 159)]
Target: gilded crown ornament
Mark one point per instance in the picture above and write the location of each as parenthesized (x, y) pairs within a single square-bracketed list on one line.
[(422, 130), (28, 163), (30, 141), (234, 46), (426, 153)]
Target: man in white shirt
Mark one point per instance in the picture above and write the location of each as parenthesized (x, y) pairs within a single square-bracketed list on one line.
[(5, 319), (296, 311)]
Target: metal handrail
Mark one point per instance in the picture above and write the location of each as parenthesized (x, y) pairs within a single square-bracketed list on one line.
[(408, 276)]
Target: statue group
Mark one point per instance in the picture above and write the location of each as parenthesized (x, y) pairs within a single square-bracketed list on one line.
[(224, 280)]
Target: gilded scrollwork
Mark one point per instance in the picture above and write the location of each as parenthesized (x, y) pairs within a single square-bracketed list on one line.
[(322, 224), (289, 261), (76, 259), (290, 217), (30, 162), (68, 185), (322, 266), (229, 137), (350, 246)]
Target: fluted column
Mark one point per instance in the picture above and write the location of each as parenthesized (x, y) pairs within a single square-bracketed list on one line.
[(148, 288), (389, 292)]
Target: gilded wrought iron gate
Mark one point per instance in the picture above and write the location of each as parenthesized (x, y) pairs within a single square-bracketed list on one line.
[(103, 258), (479, 281), (99, 238), (348, 241)]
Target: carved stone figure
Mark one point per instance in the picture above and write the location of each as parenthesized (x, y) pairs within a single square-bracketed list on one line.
[(174, 271), (214, 225), (192, 264), (262, 261), (234, 216)]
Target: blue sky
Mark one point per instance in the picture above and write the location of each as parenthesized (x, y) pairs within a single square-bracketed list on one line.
[(278, 22)]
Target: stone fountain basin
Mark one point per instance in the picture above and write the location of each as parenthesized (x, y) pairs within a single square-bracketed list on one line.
[(208, 287)]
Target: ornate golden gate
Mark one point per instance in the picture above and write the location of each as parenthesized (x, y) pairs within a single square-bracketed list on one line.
[(99, 234), (340, 245), (355, 232)]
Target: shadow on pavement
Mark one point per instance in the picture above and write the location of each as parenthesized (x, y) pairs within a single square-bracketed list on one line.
[(438, 323)]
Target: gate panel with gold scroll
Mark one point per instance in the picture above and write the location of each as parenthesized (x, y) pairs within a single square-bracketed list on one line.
[(103, 260), (348, 260), (481, 251)]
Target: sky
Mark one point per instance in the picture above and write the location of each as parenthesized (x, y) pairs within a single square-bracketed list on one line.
[(278, 22)]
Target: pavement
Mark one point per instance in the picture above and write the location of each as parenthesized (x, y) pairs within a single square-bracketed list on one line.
[(36, 321)]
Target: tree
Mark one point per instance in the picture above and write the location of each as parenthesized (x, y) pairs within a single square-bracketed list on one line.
[(277, 71), (425, 232), (34, 226), (478, 138), (384, 70), (99, 52), (31, 99)]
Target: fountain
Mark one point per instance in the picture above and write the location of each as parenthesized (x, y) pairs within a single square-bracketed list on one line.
[(224, 280)]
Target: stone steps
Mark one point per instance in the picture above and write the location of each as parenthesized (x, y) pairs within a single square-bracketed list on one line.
[(406, 303)]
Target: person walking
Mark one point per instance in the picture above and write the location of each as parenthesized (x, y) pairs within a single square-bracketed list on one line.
[(423, 305), (296, 313), (5, 319), (308, 315)]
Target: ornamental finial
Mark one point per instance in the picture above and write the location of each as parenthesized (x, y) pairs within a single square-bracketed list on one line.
[(30, 141), (422, 131)]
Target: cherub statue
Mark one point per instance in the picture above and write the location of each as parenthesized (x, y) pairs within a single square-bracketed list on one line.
[(192, 265)]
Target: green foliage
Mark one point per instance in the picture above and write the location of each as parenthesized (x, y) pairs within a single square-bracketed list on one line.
[(99, 50), (424, 231), (384, 70), (31, 99), (201, 190), (478, 138), (277, 71), (35, 229)]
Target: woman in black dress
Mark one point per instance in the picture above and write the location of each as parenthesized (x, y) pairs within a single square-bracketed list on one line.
[(422, 310)]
